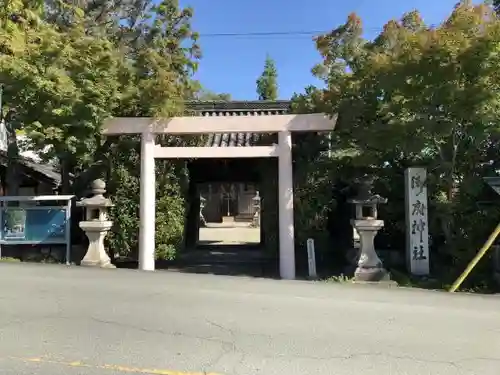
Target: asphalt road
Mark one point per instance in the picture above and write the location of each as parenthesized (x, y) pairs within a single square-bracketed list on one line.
[(56, 320)]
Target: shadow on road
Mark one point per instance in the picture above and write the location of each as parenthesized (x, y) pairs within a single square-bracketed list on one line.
[(236, 260)]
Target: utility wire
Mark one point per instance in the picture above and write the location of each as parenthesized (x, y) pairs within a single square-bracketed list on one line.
[(290, 33), (296, 33), (263, 33), (275, 33)]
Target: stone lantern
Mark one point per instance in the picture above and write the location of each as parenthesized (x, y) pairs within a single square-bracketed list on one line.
[(256, 205), (203, 222), (367, 225), (96, 225)]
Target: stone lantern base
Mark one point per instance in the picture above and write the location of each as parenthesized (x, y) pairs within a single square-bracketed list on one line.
[(371, 274), (370, 266), (96, 254)]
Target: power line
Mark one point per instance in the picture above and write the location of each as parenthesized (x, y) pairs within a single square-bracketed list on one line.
[(264, 33), (274, 33), (292, 33)]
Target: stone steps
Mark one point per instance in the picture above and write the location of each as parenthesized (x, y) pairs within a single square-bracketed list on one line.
[(228, 260), (218, 260)]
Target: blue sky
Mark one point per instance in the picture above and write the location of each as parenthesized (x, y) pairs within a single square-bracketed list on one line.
[(232, 64)]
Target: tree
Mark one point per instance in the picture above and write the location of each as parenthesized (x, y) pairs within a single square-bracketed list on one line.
[(59, 86), (67, 74), (156, 39), (420, 95), (164, 55), (267, 83), (209, 96), (27, 46), (84, 91)]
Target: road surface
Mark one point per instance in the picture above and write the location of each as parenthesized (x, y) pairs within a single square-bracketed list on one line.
[(65, 321)]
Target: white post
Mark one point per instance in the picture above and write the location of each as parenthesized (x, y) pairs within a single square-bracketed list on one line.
[(147, 203), (311, 258), (285, 199), (417, 231)]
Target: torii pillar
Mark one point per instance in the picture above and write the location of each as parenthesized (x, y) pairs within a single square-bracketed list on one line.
[(285, 206)]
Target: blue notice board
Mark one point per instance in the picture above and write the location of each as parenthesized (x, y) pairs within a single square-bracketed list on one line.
[(34, 225)]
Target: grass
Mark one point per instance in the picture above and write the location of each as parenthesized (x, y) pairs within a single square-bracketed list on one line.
[(9, 260), (444, 283), (404, 280), (339, 279)]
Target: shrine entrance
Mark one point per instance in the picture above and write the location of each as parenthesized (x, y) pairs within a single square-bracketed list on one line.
[(283, 125), (229, 204)]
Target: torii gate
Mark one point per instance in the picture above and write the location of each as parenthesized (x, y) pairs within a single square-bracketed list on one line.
[(281, 124)]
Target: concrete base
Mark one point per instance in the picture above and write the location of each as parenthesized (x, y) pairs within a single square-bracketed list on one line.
[(90, 263), (370, 266), (96, 255)]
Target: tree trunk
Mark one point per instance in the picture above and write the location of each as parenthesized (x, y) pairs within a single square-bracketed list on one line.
[(12, 175), (64, 164)]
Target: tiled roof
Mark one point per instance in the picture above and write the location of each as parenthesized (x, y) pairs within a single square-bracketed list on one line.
[(47, 170), (232, 139), (237, 108), (37, 170)]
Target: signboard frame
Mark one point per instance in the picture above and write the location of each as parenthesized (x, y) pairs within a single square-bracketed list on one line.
[(32, 203)]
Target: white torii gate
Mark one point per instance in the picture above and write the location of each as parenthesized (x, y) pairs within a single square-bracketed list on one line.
[(281, 124)]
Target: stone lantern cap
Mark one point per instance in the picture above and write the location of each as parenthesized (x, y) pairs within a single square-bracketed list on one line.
[(374, 199), (98, 199), (366, 199), (364, 195)]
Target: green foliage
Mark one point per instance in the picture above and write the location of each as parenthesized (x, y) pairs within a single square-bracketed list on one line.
[(19, 29), (267, 89), (124, 190), (67, 66), (312, 189), (58, 87), (267, 83), (170, 213), (313, 184), (164, 56), (340, 279), (420, 96), (269, 206), (206, 95), (79, 92)]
